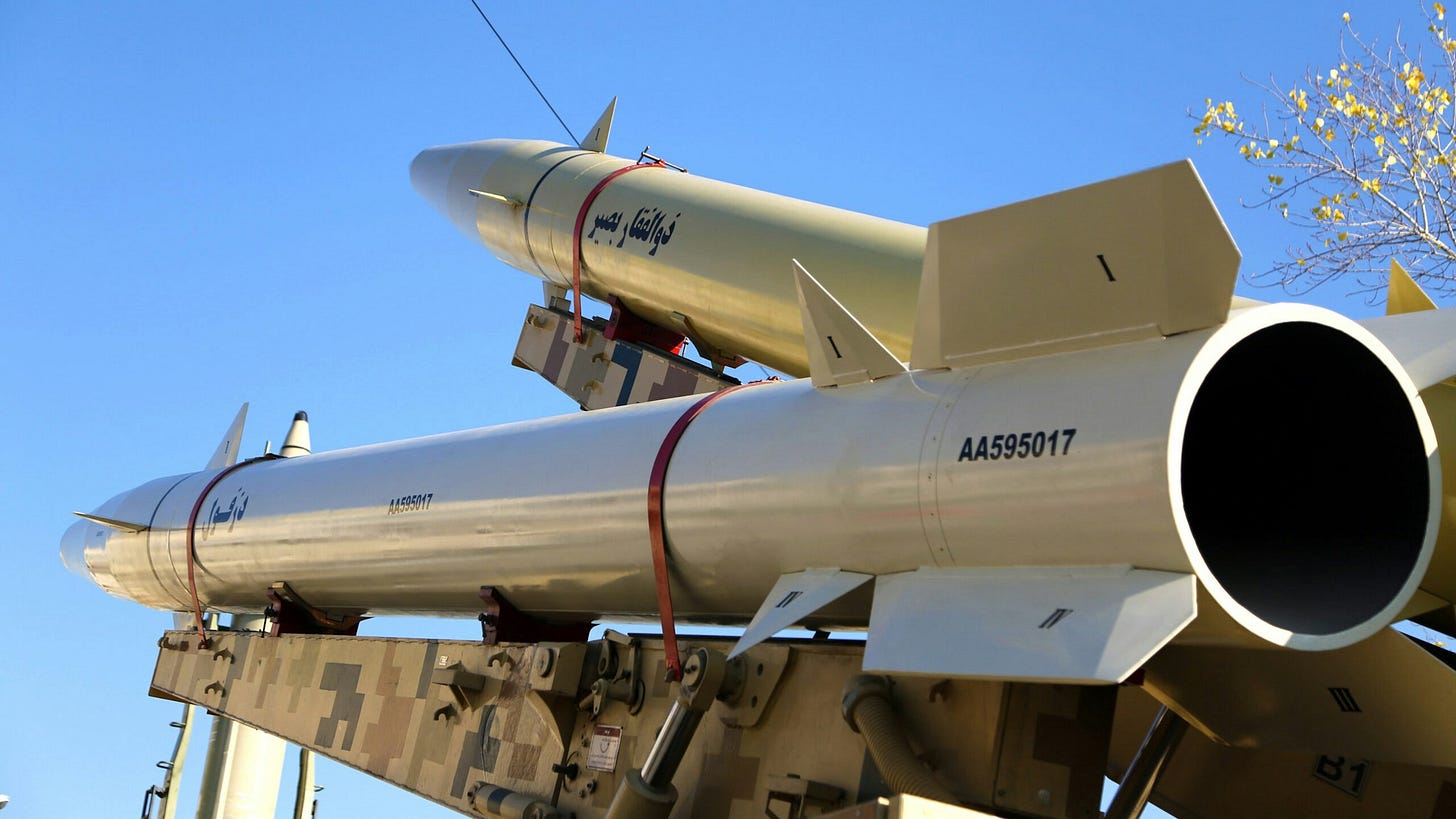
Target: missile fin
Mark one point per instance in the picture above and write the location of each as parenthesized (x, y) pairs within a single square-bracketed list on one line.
[(1404, 295), (1137, 257), (121, 525), (596, 139), (227, 449), (1078, 624), (1384, 698), (841, 350), (794, 597)]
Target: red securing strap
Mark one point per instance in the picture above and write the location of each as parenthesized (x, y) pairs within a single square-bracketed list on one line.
[(659, 534), (576, 238), (191, 531)]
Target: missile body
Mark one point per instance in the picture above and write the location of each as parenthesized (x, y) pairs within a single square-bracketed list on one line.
[(1149, 453), (683, 252)]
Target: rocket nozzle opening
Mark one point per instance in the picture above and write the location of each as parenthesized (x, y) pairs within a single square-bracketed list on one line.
[(1306, 482)]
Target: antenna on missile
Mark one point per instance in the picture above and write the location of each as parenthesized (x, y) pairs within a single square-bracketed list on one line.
[(539, 92)]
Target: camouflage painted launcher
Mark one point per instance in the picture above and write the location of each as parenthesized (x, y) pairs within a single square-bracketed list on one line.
[(598, 371), (551, 729)]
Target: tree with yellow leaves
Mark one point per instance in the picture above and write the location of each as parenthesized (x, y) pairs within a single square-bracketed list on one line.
[(1362, 155)]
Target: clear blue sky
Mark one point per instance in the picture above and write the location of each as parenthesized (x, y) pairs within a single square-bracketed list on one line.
[(203, 204)]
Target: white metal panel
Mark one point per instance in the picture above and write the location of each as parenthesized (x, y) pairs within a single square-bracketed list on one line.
[(1090, 624)]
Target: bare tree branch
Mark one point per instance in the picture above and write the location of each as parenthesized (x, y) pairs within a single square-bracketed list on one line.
[(1362, 157)]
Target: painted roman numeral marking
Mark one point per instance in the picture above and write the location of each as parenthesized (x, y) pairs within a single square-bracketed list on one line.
[(789, 598), (1055, 617), (1345, 700)]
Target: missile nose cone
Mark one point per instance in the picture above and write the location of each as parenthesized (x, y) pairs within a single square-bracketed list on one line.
[(445, 174), (73, 548), (430, 175)]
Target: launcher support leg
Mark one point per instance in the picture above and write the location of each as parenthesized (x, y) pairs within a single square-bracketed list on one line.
[(649, 793), (1147, 765)]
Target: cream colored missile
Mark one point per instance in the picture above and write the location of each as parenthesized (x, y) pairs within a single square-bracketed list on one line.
[(706, 258)]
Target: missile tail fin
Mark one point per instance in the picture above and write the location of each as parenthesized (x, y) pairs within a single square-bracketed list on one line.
[(794, 597), (1404, 295), (1137, 257), (596, 139), (226, 453), (1390, 699), (841, 350), (1086, 624)]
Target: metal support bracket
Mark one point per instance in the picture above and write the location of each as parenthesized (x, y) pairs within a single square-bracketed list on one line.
[(501, 622), (291, 614)]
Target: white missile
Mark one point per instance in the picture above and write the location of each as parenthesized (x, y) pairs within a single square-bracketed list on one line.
[(1028, 506)]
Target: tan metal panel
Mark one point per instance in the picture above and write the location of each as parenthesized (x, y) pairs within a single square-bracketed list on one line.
[(1384, 698), (1135, 257), (1206, 780)]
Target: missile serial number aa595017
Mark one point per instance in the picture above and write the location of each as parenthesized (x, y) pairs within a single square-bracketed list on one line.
[(411, 503), (1018, 445)]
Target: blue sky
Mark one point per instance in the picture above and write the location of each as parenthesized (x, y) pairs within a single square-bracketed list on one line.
[(203, 204)]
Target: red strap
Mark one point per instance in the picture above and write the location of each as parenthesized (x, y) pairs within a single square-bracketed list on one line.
[(659, 534), (192, 529), (576, 238)]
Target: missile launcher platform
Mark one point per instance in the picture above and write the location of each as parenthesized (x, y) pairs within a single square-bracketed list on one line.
[(788, 729)]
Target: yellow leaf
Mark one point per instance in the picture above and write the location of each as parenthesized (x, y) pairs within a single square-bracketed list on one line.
[(1345, 16)]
